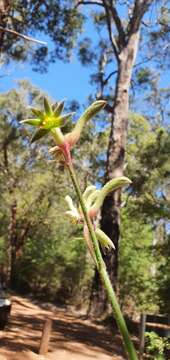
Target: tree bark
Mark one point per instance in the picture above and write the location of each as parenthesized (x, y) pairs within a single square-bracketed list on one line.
[(110, 214)]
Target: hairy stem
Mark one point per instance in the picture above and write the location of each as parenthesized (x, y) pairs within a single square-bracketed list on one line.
[(129, 347)]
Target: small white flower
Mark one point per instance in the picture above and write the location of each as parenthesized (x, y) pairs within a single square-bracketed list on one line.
[(73, 212)]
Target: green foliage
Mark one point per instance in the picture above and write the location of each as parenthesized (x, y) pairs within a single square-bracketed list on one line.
[(163, 276), (149, 168), (156, 345), (143, 75), (54, 262), (138, 287), (143, 250), (50, 259), (54, 20)]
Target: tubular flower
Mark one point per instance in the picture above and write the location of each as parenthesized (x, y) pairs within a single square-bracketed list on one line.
[(93, 199), (50, 120), (89, 113)]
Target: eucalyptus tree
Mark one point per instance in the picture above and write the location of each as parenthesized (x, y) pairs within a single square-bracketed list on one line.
[(25, 26), (127, 31)]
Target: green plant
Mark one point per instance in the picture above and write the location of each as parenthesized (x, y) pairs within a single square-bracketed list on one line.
[(156, 345), (50, 121)]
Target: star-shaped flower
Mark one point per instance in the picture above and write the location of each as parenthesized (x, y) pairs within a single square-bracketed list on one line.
[(51, 120), (48, 119)]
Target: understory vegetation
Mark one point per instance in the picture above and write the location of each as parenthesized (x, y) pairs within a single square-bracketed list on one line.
[(50, 258)]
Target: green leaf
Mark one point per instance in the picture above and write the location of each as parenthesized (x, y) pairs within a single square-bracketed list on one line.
[(39, 134), (34, 122), (58, 110), (47, 107)]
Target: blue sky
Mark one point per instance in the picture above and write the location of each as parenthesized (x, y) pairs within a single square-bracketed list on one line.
[(63, 80)]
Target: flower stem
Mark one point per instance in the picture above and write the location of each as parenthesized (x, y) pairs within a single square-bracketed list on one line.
[(129, 347)]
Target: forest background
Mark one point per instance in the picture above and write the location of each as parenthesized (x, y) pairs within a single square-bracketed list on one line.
[(40, 251)]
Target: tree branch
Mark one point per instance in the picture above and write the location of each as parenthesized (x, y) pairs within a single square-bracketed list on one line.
[(144, 61), (25, 37), (140, 7), (88, 3), (109, 76), (118, 23), (109, 26)]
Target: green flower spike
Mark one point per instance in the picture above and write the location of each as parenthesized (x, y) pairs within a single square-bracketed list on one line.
[(93, 199), (49, 120), (89, 113), (110, 186), (76, 217)]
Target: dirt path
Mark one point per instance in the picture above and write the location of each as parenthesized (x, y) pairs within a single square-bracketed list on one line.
[(72, 338)]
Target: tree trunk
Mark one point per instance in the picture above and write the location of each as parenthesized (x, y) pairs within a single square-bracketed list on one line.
[(12, 244), (110, 214)]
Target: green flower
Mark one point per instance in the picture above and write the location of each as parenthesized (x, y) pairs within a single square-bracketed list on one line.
[(89, 113), (51, 120), (48, 119), (93, 199)]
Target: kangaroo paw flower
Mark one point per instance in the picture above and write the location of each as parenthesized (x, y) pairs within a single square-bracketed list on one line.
[(50, 119), (104, 240), (110, 186), (89, 113)]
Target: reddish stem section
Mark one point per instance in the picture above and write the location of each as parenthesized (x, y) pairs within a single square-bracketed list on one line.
[(65, 148)]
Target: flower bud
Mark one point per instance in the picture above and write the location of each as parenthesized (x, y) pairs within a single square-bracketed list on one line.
[(73, 212), (89, 113), (91, 198), (88, 191), (110, 186), (104, 240)]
